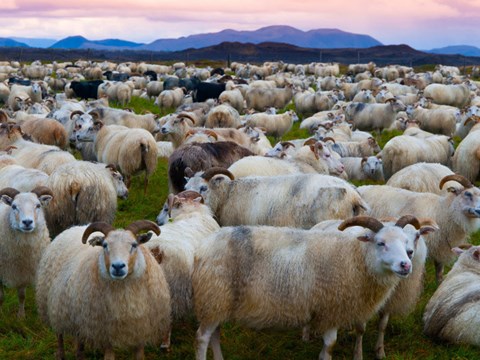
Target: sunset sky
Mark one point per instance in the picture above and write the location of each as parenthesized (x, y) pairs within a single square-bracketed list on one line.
[(423, 24)]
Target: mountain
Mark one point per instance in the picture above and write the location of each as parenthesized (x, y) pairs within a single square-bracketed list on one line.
[(466, 50), (79, 42), (34, 42), (6, 42), (319, 38)]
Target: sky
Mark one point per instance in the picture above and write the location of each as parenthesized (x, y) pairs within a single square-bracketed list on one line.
[(422, 24)]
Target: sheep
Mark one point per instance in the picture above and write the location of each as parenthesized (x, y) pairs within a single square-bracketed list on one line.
[(367, 147), (154, 88), (452, 312), (260, 99), (365, 96), (19, 177), (465, 125), (457, 213), (234, 98), (401, 151), (315, 158), (466, 160), (46, 131), (110, 116), (422, 177), (38, 156), (24, 238), (184, 222), (131, 150), (454, 95), (199, 157), (283, 277), (223, 116), (363, 168), (274, 125), (437, 121), (84, 192), (118, 92), (321, 197), (405, 296), (170, 98), (18, 98), (411, 127), (104, 303), (374, 116), (4, 92)]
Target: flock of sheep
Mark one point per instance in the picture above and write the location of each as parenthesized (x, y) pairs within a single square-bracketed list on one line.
[(269, 235)]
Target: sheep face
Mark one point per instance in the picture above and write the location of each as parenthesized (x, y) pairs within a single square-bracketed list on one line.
[(183, 203), (26, 212), (467, 202), (121, 256), (88, 134), (372, 165), (174, 125), (83, 123), (118, 183), (197, 183)]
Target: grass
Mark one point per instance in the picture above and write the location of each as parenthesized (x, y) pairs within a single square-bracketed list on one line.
[(31, 339)]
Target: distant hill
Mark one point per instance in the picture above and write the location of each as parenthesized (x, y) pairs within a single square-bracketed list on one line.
[(466, 50), (11, 43), (34, 42), (79, 42), (319, 38)]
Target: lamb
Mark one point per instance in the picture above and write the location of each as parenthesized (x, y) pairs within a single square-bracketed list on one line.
[(185, 221), (321, 197), (374, 116), (24, 238), (405, 296), (466, 160), (457, 213), (131, 150), (200, 157), (104, 303), (84, 192), (363, 168), (275, 125), (423, 177), (454, 95), (314, 158), (282, 277), (401, 151), (452, 312)]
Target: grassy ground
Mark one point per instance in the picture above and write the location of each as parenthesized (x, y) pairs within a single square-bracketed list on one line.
[(31, 339)]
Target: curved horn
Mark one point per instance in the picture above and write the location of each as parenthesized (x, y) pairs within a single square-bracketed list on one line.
[(208, 174), (76, 112), (211, 133), (42, 190), (11, 192), (362, 220), (112, 167), (142, 225), (286, 144), (472, 118), (9, 149), (189, 133), (190, 195), (3, 117), (101, 226), (309, 142), (408, 219), (458, 178), (391, 100), (186, 115), (327, 139)]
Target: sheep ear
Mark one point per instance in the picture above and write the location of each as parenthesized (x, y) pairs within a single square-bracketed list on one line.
[(143, 238), (476, 254), (96, 241), (364, 238), (424, 230), (199, 200), (45, 199), (458, 251), (454, 190), (7, 200), (218, 179)]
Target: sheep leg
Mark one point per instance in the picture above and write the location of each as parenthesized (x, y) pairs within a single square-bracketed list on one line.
[(79, 354), (358, 352), (204, 334), (1, 295), (139, 352), (215, 344), (21, 302), (166, 342), (329, 340), (60, 354), (128, 181), (382, 326), (145, 184), (306, 333), (438, 272), (109, 354)]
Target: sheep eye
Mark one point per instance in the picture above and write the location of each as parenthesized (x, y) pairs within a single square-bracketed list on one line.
[(468, 194), (381, 244), (105, 245), (14, 207), (38, 206), (134, 245)]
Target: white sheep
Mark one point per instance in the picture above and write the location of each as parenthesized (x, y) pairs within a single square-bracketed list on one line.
[(456, 213), (363, 168), (452, 313), (438, 121), (321, 197), (454, 95), (21, 178), (112, 294), (275, 125), (234, 98), (24, 238), (260, 99), (366, 147), (170, 98), (466, 160), (284, 277), (374, 116), (223, 116), (401, 151)]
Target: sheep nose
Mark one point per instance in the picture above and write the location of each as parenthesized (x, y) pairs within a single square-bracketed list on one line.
[(164, 130), (118, 266), (27, 223), (405, 265)]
